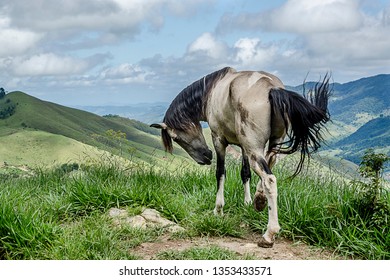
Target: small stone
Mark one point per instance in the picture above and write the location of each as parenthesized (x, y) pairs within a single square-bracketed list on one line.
[(136, 221), (116, 212)]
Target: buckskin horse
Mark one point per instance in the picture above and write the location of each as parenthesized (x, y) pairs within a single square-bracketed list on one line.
[(253, 110)]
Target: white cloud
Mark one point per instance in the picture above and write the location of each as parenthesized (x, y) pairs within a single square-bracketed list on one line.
[(119, 18), (339, 35), (299, 16), (124, 74), (250, 52), (208, 45), (48, 64), (15, 41), (308, 16)]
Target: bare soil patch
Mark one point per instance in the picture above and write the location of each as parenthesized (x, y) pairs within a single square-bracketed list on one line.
[(283, 249)]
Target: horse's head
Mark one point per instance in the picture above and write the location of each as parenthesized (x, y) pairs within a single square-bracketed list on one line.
[(191, 140)]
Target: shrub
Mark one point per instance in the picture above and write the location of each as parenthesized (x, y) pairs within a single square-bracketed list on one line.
[(372, 200)]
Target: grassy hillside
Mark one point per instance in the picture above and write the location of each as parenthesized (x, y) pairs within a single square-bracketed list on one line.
[(39, 148), (142, 142)]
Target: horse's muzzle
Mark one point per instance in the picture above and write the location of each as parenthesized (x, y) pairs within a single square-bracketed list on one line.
[(206, 158)]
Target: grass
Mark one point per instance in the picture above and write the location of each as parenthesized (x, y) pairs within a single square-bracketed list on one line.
[(60, 215), (44, 149)]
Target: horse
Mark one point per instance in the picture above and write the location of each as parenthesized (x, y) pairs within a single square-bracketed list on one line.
[(254, 111)]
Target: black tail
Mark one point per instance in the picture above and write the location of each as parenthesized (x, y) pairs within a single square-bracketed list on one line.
[(303, 116)]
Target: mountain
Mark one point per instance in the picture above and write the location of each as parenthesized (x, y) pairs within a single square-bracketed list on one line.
[(145, 112), (374, 134), (32, 114), (359, 101)]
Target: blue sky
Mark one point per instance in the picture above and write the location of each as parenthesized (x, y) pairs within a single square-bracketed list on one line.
[(117, 52)]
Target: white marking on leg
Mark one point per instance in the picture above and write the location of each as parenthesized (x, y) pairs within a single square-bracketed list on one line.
[(220, 199), (272, 194), (247, 193)]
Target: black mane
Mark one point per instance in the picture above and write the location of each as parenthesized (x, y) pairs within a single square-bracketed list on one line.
[(188, 106)]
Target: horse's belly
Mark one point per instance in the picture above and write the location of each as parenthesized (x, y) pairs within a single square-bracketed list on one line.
[(225, 133)]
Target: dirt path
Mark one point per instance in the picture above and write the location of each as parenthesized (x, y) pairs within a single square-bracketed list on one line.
[(283, 249)]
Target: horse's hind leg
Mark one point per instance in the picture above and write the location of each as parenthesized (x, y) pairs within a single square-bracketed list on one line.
[(273, 149), (260, 199), (260, 166)]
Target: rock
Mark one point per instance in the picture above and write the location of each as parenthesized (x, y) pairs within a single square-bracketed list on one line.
[(148, 218), (116, 212), (137, 221)]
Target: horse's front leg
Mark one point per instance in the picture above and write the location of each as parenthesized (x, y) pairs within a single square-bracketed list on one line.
[(260, 199), (246, 177), (220, 148)]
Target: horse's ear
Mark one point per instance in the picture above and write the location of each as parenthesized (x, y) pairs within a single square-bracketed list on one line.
[(159, 125)]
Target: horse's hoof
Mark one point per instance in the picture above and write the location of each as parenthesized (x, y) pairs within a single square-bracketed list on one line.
[(264, 243), (259, 201), (218, 211)]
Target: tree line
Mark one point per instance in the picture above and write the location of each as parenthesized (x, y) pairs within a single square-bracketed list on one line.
[(7, 106)]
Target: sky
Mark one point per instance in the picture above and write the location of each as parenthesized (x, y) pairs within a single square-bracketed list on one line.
[(117, 52)]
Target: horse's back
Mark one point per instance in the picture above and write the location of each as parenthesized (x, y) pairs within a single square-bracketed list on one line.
[(240, 107), (253, 85)]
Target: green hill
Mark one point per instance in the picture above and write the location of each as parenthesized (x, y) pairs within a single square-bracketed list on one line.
[(32, 114)]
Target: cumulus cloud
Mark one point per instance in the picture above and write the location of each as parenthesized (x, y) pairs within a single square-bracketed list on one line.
[(48, 64), (307, 16), (323, 35), (299, 16), (124, 74), (208, 45), (15, 41), (250, 52), (108, 20), (42, 39)]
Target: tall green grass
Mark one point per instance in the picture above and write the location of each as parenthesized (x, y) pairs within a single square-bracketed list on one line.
[(62, 215)]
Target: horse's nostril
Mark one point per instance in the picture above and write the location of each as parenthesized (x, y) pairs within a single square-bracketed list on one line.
[(208, 154)]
